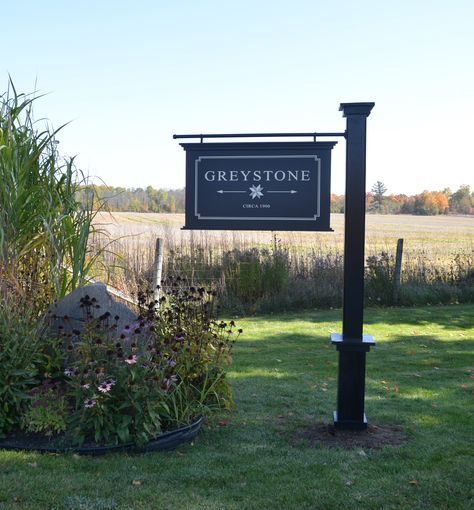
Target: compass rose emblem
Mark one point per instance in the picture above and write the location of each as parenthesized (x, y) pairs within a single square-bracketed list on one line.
[(256, 191)]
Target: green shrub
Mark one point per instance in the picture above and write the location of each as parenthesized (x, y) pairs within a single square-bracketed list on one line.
[(253, 274), (22, 360), (379, 279), (47, 412)]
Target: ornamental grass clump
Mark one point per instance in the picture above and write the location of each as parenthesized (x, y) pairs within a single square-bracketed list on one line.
[(44, 229)]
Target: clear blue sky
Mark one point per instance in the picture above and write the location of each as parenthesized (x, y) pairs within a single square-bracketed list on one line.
[(130, 74)]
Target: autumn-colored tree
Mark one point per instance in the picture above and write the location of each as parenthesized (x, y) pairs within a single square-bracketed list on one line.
[(441, 201)]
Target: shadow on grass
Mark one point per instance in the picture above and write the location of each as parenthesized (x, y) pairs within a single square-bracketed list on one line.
[(419, 380), (447, 316)]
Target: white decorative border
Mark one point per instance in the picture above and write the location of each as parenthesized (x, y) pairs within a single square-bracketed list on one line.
[(318, 197)]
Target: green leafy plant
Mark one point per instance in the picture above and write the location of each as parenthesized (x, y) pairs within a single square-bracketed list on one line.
[(379, 274), (158, 373), (256, 273), (22, 360), (115, 385), (47, 412), (197, 348)]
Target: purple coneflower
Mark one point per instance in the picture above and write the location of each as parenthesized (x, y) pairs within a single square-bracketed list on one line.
[(104, 387), (131, 360)]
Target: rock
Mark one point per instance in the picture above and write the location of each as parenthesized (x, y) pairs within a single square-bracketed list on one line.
[(67, 314)]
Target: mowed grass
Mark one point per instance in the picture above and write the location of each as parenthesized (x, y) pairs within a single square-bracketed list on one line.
[(419, 376)]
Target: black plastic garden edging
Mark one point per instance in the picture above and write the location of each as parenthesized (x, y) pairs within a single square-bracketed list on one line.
[(166, 441)]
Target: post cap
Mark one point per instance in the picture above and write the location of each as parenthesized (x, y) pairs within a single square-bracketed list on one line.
[(356, 109)]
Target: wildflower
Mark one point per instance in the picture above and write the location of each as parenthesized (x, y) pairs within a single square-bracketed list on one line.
[(110, 382), (171, 362), (69, 372), (132, 359), (85, 385), (104, 387), (88, 403)]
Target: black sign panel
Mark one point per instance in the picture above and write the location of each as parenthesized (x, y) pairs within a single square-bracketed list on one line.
[(258, 186)]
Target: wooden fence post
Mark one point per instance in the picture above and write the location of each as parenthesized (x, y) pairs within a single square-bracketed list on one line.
[(397, 275), (157, 269)]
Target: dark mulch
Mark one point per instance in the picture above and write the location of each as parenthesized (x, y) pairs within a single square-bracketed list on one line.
[(375, 436)]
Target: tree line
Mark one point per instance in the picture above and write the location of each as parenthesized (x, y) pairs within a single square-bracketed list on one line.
[(378, 201), (135, 199), (427, 203)]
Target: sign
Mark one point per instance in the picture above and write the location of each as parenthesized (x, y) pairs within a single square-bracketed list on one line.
[(258, 186)]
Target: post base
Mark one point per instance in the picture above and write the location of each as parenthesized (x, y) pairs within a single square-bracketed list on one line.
[(349, 424)]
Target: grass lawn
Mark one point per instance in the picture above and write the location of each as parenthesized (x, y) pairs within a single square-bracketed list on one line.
[(420, 376)]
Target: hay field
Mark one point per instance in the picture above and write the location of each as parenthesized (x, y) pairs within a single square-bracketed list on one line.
[(306, 268), (433, 235)]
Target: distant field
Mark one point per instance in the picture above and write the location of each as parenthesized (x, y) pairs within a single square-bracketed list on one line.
[(425, 234)]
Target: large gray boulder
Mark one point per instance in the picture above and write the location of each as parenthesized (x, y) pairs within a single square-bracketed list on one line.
[(69, 313)]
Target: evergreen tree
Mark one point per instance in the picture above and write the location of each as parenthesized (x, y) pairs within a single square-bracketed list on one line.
[(378, 191)]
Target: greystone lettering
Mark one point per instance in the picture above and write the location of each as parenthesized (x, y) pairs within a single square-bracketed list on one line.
[(257, 175)]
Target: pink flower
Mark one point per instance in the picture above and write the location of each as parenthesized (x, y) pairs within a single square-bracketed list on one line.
[(104, 388), (131, 360), (88, 403)]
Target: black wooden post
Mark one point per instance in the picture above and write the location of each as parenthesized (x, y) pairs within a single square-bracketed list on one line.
[(353, 344)]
